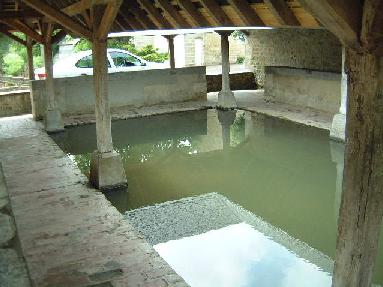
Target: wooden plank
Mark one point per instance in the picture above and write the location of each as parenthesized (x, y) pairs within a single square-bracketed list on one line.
[(20, 14), (155, 15), (282, 12), (194, 14), (108, 18), (140, 15), (172, 13), (13, 37), (341, 17), (60, 18), (246, 13), (24, 28), (216, 12)]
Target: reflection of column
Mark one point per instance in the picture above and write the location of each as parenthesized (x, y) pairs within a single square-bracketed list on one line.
[(226, 119), (337, 156), (338, 126), (226, 97)]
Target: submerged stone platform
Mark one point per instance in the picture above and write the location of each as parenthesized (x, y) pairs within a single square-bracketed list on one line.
[(70, 235)]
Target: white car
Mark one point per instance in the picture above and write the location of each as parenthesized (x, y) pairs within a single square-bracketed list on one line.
[(81, 63)]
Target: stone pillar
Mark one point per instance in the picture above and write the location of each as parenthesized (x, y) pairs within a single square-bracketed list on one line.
[(31, 75), (226, 119), (338, 126), (172, 60), (106, 168), (226, 97), (53, 120)]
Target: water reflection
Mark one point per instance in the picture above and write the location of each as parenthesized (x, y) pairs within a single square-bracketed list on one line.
[(286, 173), (239, 255)]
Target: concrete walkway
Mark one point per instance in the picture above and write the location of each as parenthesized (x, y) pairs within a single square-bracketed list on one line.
[(70, 235)]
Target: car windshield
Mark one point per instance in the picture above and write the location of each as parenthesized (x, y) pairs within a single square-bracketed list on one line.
[(87, 62), (121, 59)]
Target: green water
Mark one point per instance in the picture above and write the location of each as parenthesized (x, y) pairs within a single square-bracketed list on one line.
[(287, 174)]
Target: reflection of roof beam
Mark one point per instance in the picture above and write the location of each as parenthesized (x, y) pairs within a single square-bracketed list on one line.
[(282, 12), (341, 17), (169, 9), (156, 16), (216, 12), (13, 37), (246, 13), (60, 18), (24, 28), (194, 14)]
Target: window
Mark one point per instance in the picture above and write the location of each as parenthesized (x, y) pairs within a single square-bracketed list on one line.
[(124, 60), (87, 62)]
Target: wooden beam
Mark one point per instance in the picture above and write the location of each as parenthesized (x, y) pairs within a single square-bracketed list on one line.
[(59, 36), (282, 12), (156, 16), (246, 13), (217, 13), (31, 73), (172, 13), (13, 37), (342, 17), (361, 210), (24, 28), (108, 19), (194, 14), (130, 20), (20, 14), (81, 6), (60, 18), (140, 15), (372, 29)]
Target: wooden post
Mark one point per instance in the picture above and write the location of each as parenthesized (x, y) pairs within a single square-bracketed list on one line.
[(226, 97), (361, 210), (31, 73), (53, 120), (172, 60), (106, 169)]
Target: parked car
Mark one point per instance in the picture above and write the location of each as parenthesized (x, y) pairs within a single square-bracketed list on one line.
[(81, 63)]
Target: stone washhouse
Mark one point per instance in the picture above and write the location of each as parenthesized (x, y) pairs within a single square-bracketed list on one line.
[(45, 200)]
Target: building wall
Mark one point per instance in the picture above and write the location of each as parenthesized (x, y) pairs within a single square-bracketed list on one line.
[(305, 88), (15, 103), (315, 49), (75, 95)]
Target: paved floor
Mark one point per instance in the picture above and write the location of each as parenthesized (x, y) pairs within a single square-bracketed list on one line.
[(69, 233)]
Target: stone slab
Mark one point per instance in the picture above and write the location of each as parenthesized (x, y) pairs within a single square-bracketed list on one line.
[(7, 229), (12, 269)]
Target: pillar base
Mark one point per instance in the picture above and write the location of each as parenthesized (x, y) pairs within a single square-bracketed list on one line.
[(226, 100), (338, 127), (53, 121), (107, 171)]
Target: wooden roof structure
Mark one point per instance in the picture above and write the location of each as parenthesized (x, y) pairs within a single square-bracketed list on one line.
[(73, 16)]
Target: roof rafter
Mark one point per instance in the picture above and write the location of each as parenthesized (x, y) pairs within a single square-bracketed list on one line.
[(194, 14), (60, 18), (108, 18), (216, 12), (156, 16), (13, 37), (247, 14), (341, 17), (169, 9), (282, 12), (140, 15)]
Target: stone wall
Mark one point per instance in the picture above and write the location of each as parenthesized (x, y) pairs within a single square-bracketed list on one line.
[(305, 88), (315, 49), (75, 95), (15, 103)]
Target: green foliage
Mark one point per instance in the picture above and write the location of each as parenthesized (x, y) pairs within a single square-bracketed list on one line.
[(13, 64), (148, 53), (238, 34), (240, 60)]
